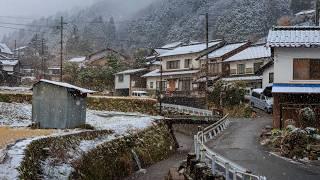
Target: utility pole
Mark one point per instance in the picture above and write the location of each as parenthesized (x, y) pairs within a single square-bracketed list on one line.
[(317, 13), (15, 48), (160, 86), (207, 59), (61, 48), (42, 58)]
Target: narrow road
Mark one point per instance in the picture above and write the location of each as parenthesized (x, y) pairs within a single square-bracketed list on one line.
[(160, 170), (240, 143)]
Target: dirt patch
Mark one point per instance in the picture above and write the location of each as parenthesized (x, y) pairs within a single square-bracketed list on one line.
[(10, 135)]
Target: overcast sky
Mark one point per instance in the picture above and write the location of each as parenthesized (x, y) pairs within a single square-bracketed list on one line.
[(36, 8)]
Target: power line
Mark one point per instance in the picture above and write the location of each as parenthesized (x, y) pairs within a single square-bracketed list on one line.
[(7, 27), (19, 24)]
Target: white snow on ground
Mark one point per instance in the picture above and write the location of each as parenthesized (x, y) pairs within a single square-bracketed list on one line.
[(16, 89), (19, 115), (14, 156), (15, 114)]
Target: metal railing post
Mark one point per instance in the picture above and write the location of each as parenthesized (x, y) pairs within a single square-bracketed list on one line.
[(213, 164), (234, 175), (227, 167)]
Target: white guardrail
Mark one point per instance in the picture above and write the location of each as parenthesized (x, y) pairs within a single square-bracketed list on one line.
[(217, 162), (186, 109)]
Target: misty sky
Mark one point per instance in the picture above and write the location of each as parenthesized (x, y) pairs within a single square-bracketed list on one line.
[(36, 8)]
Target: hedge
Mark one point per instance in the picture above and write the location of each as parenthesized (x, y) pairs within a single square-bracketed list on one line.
[(103, 103)]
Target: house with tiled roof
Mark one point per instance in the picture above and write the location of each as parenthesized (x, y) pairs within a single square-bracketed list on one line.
[(179, 67), (296, 54), (243, 65)]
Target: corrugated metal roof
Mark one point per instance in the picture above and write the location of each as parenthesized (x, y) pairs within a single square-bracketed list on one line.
[(252, 52), (225, 49), (66, 85), (189, 49), (294, 36), (131, 71), (156, 73), (78, 59)]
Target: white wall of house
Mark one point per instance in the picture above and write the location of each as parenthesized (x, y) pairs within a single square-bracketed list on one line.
[(266, 75), (8, 68), (195, 64), (152, 80), (283, 63), (249, 66), (125, 84)]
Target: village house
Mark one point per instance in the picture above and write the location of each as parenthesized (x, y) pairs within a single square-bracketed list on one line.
[(243, 65), (130, 80), (296, 53), (267, 73), (80, 61), (179, 68), (5, 51), (102, 57), (212, 65), (9, 71), (54, 73)]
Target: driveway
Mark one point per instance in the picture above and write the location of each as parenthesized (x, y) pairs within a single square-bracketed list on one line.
[(240, 143)]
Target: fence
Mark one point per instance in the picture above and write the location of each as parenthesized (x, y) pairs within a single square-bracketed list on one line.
[(187, 110), (217, 162)]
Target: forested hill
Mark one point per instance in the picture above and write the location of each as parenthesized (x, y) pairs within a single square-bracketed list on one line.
[(160, 22)]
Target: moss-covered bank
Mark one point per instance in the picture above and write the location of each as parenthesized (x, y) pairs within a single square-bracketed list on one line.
[(114, 160), (103, 103), (110, 160)]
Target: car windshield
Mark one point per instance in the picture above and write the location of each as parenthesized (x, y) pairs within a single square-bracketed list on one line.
[(160, 89)]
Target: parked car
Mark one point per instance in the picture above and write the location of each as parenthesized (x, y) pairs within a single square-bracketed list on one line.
[(139, 94), (261, 101)]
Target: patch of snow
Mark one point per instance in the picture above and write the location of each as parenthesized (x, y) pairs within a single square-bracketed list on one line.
[(15, 114), (14, 156), (119, 122), (20, 89)]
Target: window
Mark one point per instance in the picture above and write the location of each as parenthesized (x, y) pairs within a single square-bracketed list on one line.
[(187, 63), (185, 85), (306, 69), (241, 68), (164, 85), (151, 85), (271, 77), (120, 78), (173, 64), (257, 66)]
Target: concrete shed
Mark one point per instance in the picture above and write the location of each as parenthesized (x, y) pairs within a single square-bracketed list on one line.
[(58, 105)]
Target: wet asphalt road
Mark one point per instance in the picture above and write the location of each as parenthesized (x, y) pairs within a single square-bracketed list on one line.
[(240, 143)]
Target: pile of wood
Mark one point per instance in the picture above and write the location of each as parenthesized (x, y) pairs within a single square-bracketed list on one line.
[(294, 144)]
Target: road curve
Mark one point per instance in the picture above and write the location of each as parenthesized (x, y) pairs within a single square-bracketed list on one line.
[(240, 143)]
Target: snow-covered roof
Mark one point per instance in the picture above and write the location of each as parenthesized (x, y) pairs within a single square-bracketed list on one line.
[(54, 68), (154, 63), (305, 12), (242, 78), (296, 88), (78, 59), (131, 71), (156, 73), (20, 48), (9, 62), (225, 49), (161, 51), (172, 45), (66, 85), (252, 52), (190, 49), (5, 49), (203, 79), (294, 36)]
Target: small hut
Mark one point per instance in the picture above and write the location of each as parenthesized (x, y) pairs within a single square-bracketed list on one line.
[(58, 105)]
